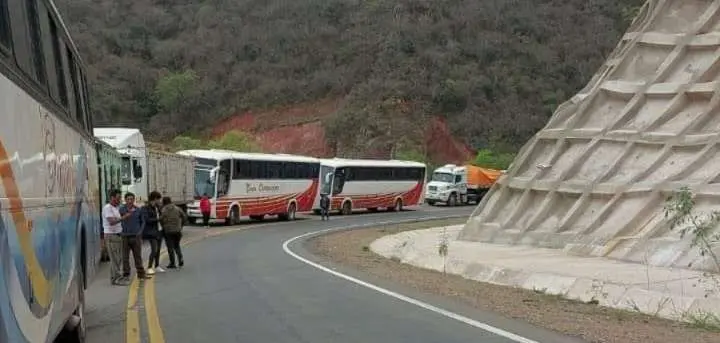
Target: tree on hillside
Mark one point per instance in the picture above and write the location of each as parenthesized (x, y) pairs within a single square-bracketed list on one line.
[(494, 69), (232, 140)]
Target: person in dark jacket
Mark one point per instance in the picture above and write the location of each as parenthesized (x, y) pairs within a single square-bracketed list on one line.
[(152, 231), (172, 219), (131, 234), (324, 207)]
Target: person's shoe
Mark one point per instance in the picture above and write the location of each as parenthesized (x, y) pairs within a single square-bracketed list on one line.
[(150, 271), (159, 269), (182, 263), (171, 266)]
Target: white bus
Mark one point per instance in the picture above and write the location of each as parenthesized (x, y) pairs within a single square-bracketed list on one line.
[(371, 184), (49, 193), (253, 185)]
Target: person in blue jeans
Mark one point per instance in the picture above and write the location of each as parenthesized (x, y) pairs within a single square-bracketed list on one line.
[(324, 207)]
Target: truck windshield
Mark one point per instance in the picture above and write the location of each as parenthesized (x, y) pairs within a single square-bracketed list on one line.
[(442, 177), (326, 177), (202, 183), (126, 171)]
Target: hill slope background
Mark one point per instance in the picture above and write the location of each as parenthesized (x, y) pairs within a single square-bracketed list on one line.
[(395, 73)]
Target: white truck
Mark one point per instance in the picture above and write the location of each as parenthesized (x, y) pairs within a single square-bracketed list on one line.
[(456, 185), (145, 170)]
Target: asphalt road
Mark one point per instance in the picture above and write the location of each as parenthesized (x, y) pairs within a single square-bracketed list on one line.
[(244, 287)]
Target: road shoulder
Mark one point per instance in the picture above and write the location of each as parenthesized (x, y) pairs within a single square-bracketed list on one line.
[(493, 304)]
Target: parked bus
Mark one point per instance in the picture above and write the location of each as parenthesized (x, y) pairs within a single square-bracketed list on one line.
[(109, 163), (370, 184), (49, 198), (253, 185)]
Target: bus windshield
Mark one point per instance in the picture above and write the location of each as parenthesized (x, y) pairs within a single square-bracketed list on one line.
[(442, 177), (326, 178), (203, 185), (126, 171)]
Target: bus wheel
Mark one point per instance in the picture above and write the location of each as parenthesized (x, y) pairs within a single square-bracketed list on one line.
[(398, 205), (291, 212), (75, 329), (347, 208), (235, 216)]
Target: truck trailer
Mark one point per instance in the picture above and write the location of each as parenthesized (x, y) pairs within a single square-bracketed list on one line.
[(145, 170), (459, 185)]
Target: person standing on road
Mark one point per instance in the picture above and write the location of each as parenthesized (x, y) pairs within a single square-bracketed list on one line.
[(205, 210), (173, 219), (324, 207), (132, 231), (112, 230), (152, 231)]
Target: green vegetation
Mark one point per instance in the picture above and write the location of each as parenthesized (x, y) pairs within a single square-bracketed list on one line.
[(232, 140), (494, 160), (495, 69)]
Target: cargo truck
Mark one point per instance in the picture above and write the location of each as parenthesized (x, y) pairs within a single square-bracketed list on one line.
[(145, 170), (459, 185)]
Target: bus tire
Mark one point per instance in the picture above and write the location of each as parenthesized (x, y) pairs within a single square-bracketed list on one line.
[(234, 216), (292, 212), (346, 208), (75, 329)]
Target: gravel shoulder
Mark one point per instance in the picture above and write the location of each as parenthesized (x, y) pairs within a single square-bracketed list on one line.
[(587, 321)]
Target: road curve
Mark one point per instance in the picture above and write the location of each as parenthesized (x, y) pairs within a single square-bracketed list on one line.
[(243, 287)]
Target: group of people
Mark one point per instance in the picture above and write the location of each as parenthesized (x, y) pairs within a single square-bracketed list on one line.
[(126, 226)]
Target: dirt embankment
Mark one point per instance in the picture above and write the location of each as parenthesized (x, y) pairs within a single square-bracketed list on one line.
[(587, 321), (299, 130)]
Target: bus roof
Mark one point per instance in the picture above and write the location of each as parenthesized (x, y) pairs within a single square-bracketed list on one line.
[(219, 154), (342, 162)]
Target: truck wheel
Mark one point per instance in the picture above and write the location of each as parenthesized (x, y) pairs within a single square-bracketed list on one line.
[(453, 200), (431, 203), (192, 220)]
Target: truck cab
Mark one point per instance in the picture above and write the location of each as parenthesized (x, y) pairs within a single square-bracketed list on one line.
[(448, 184)]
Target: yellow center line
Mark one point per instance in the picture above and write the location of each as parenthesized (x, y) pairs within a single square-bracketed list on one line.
[(155, 330), (132, 322)]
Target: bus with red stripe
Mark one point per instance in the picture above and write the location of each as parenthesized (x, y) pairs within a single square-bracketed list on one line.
[(370, 184), (253, 185)]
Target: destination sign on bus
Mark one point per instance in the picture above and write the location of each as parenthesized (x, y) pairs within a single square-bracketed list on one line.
[(261, 188)]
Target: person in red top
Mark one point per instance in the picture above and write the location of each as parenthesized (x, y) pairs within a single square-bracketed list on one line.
[(205, 210)]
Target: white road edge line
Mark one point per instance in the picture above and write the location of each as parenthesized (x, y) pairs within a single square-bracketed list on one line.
[(489, 328)]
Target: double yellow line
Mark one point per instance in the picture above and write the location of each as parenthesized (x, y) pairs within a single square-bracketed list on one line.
[(132, 325), (132, 319)]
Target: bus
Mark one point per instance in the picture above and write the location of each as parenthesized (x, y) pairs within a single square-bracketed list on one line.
[(49, 198), (252, 184), (109, 164), (370, 184)]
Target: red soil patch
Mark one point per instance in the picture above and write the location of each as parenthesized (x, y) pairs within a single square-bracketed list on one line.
[(298, 130)]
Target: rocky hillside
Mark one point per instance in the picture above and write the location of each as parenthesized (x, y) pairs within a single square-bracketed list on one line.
[(489, 72)]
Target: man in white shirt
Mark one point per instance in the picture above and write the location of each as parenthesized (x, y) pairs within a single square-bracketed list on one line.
[(112, 230)]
